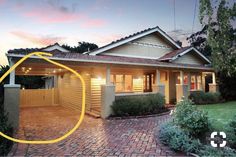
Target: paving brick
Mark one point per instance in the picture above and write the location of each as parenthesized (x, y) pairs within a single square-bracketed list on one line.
[(95, 137)]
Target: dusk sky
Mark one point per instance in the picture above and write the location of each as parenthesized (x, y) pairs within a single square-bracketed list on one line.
[(28, 23)]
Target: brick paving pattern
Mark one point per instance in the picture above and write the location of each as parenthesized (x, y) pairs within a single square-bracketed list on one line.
[(95, 137)]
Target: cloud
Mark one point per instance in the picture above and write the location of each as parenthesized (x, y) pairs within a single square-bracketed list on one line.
[(180, 35), (52, 16), (37, 39), (53, 12), (2, 2), (88, 23), (105, 39)]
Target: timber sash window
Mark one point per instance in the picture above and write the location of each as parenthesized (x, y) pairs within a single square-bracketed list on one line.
[(123, 83)]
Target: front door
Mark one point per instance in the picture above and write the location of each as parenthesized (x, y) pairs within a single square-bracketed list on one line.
[(147, 83)]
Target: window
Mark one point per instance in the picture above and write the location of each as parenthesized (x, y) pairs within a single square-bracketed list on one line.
[(128, 83), (199, 82), (123, 83), (119, 83), (193, 84)]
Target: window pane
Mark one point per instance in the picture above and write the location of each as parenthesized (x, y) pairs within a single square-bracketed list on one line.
[(119, 78), (128, 83), (112, 79), (119, 83), (192, 82), (199, 81)]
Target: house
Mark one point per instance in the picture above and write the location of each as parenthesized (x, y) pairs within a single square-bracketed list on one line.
[(146, 62)]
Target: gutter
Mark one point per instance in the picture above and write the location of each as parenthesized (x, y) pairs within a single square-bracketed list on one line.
[(114, 62)]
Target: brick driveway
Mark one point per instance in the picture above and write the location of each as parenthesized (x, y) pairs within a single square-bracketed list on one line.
[(95, 137)]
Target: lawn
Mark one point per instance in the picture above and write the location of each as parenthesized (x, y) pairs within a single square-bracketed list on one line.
[(220, 114)]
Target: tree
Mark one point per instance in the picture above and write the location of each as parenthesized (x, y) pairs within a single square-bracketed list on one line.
[(220, 34), (199, 41), (82, 47), (221, 37)]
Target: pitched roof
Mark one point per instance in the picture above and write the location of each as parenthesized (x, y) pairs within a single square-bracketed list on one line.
[(76, 57), (131, 38), (28, 50), (173, 55)]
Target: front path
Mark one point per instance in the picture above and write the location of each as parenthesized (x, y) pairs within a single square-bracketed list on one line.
[(95, 137)]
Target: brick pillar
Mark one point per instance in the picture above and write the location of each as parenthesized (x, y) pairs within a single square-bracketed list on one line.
[(213, 87), (182, 90), (107, 97), (12, 103)]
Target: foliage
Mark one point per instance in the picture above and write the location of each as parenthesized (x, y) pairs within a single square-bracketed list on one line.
[(178, 133), (3, 70), (231, 132), (29, 82), (227, 86), (199, 41), (82, 47), (220, 34), (5, 145), (177, 139), (188, 117), (138, 105), (211, 151), (200, 97)]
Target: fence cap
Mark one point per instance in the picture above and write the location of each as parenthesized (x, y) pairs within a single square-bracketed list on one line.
[(12, 86)]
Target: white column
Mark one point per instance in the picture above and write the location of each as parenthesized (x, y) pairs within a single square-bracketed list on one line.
[(158, 77), (108, 75), (203, 82), (195, 83), (12, 74), (181, 77), (213, 78), (55, 81), (189, 81)]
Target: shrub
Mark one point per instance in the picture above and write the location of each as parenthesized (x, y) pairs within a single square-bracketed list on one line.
[(138, 105), (178, 139), (211, 151), (5, 145), (231, 132), (200, 97), (190, 118)]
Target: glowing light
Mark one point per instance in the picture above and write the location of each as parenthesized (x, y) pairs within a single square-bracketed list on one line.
[(99, 78)]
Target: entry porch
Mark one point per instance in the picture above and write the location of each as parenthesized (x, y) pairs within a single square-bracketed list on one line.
[(106, 81)]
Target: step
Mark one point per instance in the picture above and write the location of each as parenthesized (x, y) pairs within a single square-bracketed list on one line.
[(94, 114)]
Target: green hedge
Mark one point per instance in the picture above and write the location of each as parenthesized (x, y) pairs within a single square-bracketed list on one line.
[(200, 97), (138, 105)]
